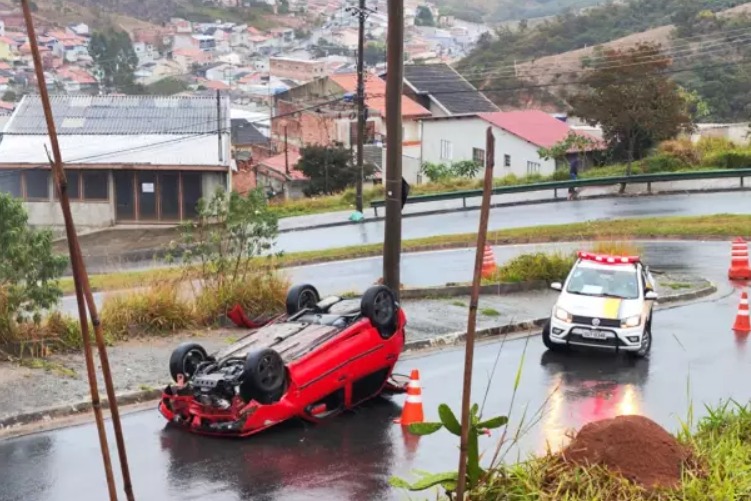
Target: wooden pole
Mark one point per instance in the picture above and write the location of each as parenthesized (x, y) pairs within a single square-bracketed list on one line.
[(82, 286), (469, 353)]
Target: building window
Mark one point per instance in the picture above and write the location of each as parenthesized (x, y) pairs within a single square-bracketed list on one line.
[(37, 184), (507, 160), (478, 156), (446, 150), (95, 184), (533, 168), (10, 182)]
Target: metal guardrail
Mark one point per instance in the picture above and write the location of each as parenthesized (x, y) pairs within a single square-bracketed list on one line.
[(647, 179)]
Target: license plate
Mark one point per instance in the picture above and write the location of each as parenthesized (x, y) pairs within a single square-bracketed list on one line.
[(592, 334)]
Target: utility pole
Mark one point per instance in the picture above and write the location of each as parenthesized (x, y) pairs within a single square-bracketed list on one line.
[(392, 242), (84, 296), (362, 14), (286, 158)]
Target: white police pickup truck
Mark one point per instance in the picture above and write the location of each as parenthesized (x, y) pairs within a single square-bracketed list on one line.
[(606, 302)]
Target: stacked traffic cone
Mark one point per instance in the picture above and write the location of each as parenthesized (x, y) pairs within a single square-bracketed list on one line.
[(412, 411), (741, 320), (739, 268), (488, 263)]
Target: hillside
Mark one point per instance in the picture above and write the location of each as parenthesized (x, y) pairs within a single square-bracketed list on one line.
[(536, 66), (495, 11)]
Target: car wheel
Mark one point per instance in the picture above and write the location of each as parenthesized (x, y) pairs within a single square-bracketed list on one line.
[(378, 305), (185, 359), (263, 378), (550, 345), (646, 342), (301, 297)]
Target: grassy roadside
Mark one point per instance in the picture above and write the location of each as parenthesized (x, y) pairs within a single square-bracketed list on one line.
[(702, 227), (721, 444)]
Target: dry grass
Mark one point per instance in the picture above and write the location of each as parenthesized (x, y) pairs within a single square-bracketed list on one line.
[(550, 267), (261, 293), (155, 310)]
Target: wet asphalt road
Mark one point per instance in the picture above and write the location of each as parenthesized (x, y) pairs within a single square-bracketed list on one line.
[(696, 358), (520, 217)]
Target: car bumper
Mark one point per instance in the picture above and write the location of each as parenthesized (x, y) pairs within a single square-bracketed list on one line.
[(622, 339), (185, 411)]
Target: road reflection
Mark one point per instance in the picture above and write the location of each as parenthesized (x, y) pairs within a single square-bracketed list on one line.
[(586, 387), (349, 457), (26, 470)]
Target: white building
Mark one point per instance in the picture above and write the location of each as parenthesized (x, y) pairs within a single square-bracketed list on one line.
[(518, 137)]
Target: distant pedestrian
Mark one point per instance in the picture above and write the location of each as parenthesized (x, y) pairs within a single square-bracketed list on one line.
[(573, 175), (405, 191)]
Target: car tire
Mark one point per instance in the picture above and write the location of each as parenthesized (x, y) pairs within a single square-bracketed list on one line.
[(264, 376), (301, 297), (550, 345), (378, 305), (185, 360), (646, 348)]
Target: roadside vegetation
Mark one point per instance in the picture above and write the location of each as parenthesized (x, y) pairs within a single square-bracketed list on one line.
[(554, 266), (218, 268)]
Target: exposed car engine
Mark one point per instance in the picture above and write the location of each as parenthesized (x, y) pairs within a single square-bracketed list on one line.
[(218, 383)]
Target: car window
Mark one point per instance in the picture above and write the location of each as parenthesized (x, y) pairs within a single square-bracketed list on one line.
[(604, 282)]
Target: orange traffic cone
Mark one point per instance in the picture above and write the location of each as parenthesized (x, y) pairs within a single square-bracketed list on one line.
[(488, 263), (412, 411), (739, 269), (742, 320)]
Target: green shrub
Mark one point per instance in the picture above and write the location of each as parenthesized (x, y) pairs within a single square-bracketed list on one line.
[(708, 145), (729, 159), (155, 310), (663, 162), (539, 266)]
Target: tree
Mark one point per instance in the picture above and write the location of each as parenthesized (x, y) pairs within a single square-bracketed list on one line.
[(9, 96), (29, 270), (630, 96), (115, 59), (284, 7), (229, 231), (329, 168), (374, 53), (424, 17), (573, 142)]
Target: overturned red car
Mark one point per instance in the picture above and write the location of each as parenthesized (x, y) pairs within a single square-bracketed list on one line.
[(321, 358)]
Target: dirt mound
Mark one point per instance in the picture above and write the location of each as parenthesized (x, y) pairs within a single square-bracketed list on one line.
[(638, 448)]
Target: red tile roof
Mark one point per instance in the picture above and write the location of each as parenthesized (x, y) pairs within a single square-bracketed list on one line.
[(375, 94), (534, 126), (277, 164)]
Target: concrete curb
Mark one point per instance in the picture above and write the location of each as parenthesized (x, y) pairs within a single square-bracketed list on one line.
[(61, 411), (453, 339)]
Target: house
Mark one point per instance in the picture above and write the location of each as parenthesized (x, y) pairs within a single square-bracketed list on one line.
[(145, 52), (443, 91), (518, 135), (129, 159), (249, 145), (75, 79), (323, 112), (297, 69), (279, 177)]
